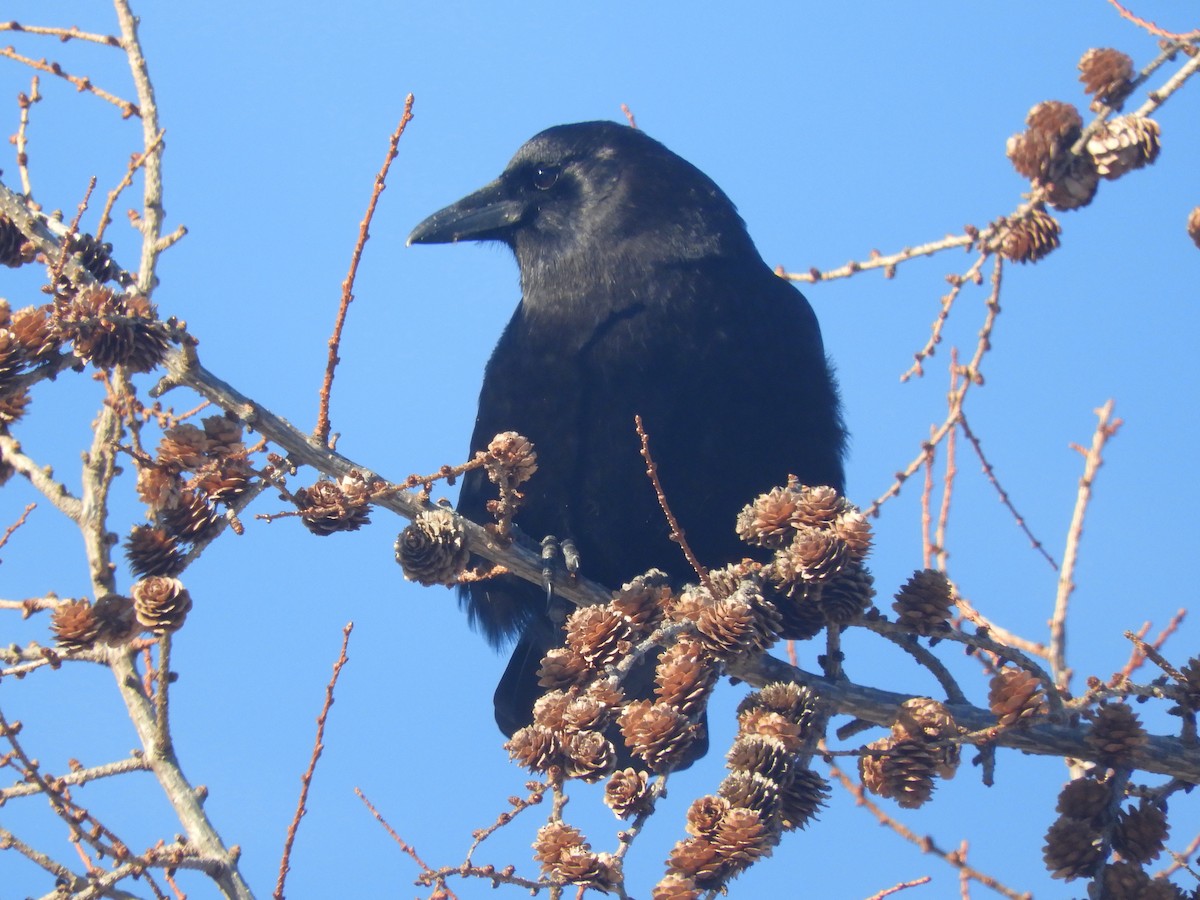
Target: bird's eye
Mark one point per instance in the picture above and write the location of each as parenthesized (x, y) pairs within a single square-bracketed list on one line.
[(545, 177)]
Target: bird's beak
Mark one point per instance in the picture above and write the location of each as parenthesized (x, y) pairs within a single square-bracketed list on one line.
[(482, 216)]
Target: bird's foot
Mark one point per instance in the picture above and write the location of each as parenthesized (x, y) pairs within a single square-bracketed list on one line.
[(558, 557)]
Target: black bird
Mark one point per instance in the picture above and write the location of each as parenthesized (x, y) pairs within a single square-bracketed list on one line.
[(641, 293)]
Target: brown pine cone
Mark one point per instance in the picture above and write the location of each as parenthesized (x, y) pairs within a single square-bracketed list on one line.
[(15, 249), (771, 724), (117, 619), (151, 551), (12, 408), (548, 709), (1105, 74), (109, 329), (588, 712), (94, 256), (158, 487), (161, 603), (802, 798), (31, 326), (1141, 833), (1124, 144), (923, 605), (742, 837), (684, 676), (675, 887), (12, 356), (627, 793), (656, 733), (846, 596), (183, 446), (535, 747), (767, 522), (855, 531), (763, 755), (1028, 239), (1072, 849), (904, 772), (192, 518), (224, 478), (1124, 881), (705, 814), (553, 840), (330, 506), (817, 506), (561, 668), (697, 859), (794, 702), (74, 626), (224, 435), (749, 790), (813, 555), (1015, 695), (1193, 226), (1086, 799), (599, 634), (643, 600), (590, 756), (511, 459), (1116, 732), (433, 548)]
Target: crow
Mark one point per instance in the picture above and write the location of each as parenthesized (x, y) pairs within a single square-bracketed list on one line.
[(641, 294)]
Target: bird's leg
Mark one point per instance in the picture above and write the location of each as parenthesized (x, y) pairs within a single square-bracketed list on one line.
[(557, 554)]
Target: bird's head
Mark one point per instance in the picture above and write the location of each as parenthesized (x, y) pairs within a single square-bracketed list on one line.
[(575, 191)]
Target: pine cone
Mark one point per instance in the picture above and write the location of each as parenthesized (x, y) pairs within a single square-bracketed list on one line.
[(800, 613), (1193, 226), (817, 507), (697, 859), (1028, 239), (1072, 849), (767, 522), (656, 733), (74, 626), (749, 790), (728, 628), (846, 596), (590, 756), (553, 840), (643, 600), (1015, 695), (904, 772), (1124, 881), (161, 603), (1086, 799), (1073, 185), (598, 634), (742, 837), (1124, 144), (511, 459), (772, 725), (627, 794), (110, 329), (549, 708), (330, 506), (15, 249), (31, 326), (794, 702), (765, 756), (684, 676), (814, 555), (192, 518), (923, 605), (94, 257), (183, 446), (705, 814), (535, 747), (675, 887), (224, 478), (433, 548), (589, 712), (1141, 833), (151, 551), (855, 532), (1116, 733), (159, 488), (224, 435), (12, 356), (12, 408), (117, 618), (1105, 74), (802, 798), (1190, 687), (561, 668)]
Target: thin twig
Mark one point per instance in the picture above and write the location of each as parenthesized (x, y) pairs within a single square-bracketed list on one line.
[(676, 534), (63, 34), (1093, 459), (879, 261), (307, 777), (896, 888), (22, 139), (81, 82), (136, 162), (1151, 27), (335, 341), (8, 532)]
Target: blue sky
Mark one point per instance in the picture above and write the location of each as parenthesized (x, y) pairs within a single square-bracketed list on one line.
[(836, 128)]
